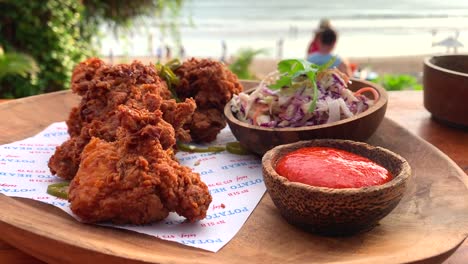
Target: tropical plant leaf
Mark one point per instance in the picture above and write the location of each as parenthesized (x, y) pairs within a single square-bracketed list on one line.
[(398, 82), (244, 58), (13, 63)]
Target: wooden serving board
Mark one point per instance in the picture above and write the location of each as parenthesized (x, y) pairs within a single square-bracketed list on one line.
[(430, 222)]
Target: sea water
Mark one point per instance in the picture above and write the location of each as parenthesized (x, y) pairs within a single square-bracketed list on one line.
[(367, 28)]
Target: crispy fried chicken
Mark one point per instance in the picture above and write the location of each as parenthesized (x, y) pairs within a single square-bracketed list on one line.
[(103, 88), (134, 179), (212, 85), (120, 153)]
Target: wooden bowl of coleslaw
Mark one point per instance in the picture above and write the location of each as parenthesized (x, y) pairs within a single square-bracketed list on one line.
[(360, 127)]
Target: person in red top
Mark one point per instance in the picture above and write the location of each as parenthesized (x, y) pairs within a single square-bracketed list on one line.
[(314, 45)]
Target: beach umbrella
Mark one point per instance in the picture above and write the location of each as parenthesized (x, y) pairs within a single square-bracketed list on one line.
[(449, 42)]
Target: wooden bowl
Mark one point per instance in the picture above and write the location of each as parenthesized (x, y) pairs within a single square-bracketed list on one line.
[(331, 211), (446, 88), (360, 127)]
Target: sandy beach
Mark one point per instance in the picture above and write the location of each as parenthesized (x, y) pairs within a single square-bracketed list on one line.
[(412, 65), (385, 37)]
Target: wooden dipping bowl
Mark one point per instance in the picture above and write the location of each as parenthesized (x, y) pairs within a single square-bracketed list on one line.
[(336, 212), (446, 89), (360, 127)]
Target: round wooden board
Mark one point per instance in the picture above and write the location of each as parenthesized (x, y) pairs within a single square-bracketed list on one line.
[(431, 220)]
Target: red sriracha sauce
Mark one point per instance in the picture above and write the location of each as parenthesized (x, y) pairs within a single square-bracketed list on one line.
[(332, 168)]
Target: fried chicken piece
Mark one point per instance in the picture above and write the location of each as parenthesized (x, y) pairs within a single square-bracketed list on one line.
[(178, 114), (206, 124), (212, 85), (120, 155), (135, 179), (103, 88)]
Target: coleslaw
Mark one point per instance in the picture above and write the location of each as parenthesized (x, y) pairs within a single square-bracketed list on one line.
[(301, 94)]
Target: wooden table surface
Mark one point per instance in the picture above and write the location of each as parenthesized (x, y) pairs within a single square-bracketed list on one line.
[(407, 109)]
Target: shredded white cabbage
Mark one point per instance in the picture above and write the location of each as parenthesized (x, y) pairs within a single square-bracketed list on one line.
[(290, 106)]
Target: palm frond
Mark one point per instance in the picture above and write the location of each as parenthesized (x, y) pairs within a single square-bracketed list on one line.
[(14, 63), (244, 58)]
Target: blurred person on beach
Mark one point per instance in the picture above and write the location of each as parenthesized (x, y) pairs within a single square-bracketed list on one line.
[(159, 53), (223, 51), (168, 53), (150, 44), (293, 32), (182, 52), (326, 44), (279, 45), (111, 56), (314, 44)]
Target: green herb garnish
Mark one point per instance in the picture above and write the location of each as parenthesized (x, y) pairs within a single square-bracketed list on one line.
[(173, 64), (231, 147), (166, 72), (290, 70), (327, 65), (192, 148), (236, 148), (59, 189)]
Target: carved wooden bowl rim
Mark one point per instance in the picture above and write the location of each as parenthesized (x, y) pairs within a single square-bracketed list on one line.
[(401, 165), (431, 62), (381, 102)]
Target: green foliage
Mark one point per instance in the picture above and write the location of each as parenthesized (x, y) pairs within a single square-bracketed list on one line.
[(169, 15), (120, 15), (399, 82), (50, 31), (244, 58), (58, 34), (16, 64), (123, 12)]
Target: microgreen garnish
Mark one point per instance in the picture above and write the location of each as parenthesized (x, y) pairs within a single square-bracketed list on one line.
[(327, 65), (291, 69)]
